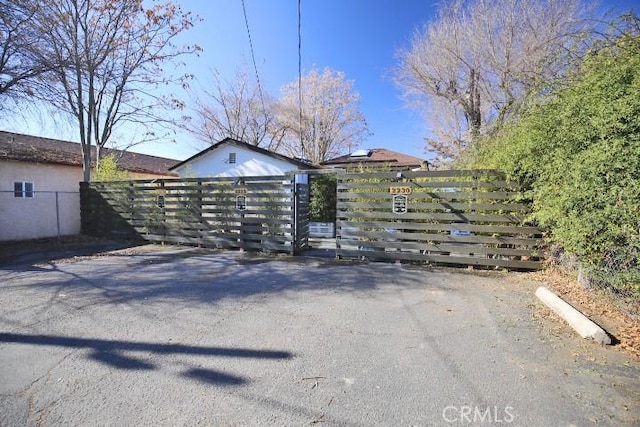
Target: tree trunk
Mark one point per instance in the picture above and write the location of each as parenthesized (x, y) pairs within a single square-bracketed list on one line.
[(474, 114), (86, 162), (98, 155)]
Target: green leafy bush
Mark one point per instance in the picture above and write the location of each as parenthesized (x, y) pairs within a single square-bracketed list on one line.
[(323, 198), (109, 170), (577, 154)]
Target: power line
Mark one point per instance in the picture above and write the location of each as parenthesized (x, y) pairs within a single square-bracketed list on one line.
[(300, 75), (253, 57)]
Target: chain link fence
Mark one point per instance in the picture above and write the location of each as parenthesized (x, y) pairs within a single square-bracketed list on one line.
[(37, 214), (617, 273)]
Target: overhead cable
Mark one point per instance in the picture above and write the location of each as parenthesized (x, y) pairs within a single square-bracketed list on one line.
[(300, 75), (253, 57)]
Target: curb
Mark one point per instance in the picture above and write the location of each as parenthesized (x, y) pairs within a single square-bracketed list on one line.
[(578, 321)]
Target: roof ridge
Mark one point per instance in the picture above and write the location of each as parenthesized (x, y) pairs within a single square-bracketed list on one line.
[(229, 140), (38, 149)]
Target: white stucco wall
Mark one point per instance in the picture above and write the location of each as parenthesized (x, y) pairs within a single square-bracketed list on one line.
[(33, 218), (30, 218), (248, 163)]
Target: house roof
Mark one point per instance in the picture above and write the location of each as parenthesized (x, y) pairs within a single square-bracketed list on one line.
[(35, 149), (376, 157), (241, 144)]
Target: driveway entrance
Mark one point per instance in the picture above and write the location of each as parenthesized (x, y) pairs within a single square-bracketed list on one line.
[(164, 336)]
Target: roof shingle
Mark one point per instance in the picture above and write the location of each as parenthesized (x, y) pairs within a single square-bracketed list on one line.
[(35, 149), (377, 157)]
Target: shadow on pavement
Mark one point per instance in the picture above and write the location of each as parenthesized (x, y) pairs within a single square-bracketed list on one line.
[(22, 255), (200, 276), (111, 353), (209, 376)]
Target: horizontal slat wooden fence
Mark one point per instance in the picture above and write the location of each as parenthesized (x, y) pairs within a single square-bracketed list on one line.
[(253, 213), (451, 217)]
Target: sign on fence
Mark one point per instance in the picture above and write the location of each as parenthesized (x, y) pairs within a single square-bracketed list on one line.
[(400, 190), (241, 203), (399, 204)]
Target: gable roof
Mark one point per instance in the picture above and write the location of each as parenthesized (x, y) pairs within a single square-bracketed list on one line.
[(241, 144), (376, 157), (35, 149)]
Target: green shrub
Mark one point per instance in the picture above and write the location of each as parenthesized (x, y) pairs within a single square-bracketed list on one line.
[(577, 154), (109, 170), (323, 198)]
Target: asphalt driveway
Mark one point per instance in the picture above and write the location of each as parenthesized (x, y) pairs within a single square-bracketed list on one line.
[(162, 336)]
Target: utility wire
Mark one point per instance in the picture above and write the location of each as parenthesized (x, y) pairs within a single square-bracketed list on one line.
[(253, 57), (300, 75)]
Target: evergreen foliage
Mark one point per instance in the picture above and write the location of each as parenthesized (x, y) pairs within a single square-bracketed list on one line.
[(323, 198), (577, 154)]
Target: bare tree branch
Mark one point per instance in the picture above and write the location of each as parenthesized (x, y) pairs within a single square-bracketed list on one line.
[(111, 55), (331, 121), (234, 109), (20, 60), (470, 70)]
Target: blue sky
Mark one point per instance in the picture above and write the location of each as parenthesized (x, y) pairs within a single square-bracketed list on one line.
[(357, 37)]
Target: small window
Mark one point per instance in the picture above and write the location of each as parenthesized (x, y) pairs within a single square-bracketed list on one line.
[(23, 189), (232, 157)]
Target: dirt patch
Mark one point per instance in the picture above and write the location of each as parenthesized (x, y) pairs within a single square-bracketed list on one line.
[(620, 318)]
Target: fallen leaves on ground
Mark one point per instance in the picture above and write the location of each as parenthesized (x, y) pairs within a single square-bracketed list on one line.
[(619, 317)]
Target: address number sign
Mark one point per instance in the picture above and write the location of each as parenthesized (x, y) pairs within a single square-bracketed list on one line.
[(400, 190)]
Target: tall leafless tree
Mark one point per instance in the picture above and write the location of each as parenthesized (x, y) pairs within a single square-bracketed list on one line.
[(470, 70), (235, 109), (330, 122), (113, 53)]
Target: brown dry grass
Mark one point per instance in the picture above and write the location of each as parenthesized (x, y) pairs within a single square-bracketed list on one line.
[(618, 317)]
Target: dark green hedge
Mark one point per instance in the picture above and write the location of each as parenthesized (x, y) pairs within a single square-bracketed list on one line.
[(323, 198), (577, 153)]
